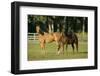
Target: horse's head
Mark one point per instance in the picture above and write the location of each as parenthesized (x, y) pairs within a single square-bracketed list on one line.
[(37, 28)]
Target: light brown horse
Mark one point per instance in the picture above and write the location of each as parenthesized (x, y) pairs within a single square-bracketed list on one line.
[(48, 38)]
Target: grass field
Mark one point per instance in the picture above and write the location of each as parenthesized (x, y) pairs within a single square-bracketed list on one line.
[(35, 53)]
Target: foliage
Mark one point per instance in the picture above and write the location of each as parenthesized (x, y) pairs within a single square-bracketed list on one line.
[(59, 22)]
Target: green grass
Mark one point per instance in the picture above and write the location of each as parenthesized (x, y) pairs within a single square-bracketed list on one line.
[(35, 52)]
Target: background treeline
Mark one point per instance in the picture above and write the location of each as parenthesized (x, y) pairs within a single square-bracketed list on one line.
[(57, 23)]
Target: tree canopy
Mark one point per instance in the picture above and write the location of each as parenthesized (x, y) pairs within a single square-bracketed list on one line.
[(78, 24)]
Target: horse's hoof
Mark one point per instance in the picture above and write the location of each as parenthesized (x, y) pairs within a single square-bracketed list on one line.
[(58, 53)]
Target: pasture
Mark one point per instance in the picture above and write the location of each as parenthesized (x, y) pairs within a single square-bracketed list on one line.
[(35, 52)]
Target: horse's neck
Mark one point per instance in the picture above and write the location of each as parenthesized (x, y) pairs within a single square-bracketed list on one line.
[(46, 33)]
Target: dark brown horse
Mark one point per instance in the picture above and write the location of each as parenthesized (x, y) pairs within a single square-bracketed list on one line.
[(68, 40)]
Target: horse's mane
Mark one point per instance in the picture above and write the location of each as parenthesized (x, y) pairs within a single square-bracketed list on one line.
[(66, 34), (69, 35), (41, 32)]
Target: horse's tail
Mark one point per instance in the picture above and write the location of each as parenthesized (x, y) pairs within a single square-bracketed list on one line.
[(76, 42)]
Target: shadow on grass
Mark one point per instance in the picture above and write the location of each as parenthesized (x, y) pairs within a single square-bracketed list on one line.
[(82, 52)]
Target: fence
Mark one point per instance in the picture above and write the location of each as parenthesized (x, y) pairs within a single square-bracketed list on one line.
[(33, 36)]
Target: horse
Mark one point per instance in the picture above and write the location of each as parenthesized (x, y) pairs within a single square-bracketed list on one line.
[(67, 39), (45, 37), (61, 39)]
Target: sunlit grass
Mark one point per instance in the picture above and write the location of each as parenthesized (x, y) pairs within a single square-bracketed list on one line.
[(35, 52)]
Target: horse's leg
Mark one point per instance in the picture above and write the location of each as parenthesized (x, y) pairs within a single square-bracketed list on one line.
[(76, 43), (58, 49), (41, 45), (73, 47), (43, 48), (62, 48), (66, 46)]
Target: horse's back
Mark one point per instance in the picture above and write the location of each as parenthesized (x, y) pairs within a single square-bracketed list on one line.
[(57, 36)]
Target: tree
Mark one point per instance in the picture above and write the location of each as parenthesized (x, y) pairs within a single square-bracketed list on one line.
[(57, 23)]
